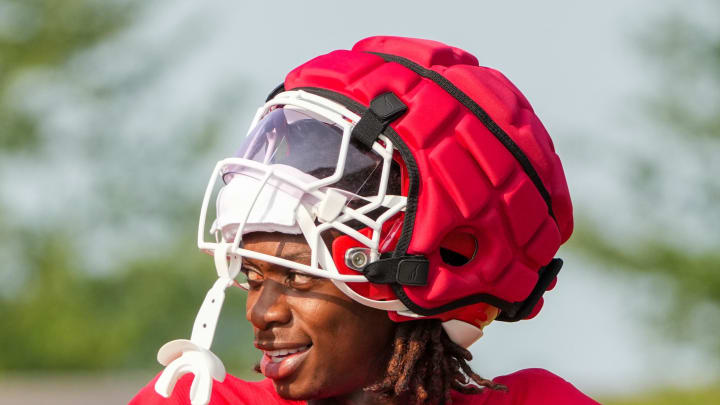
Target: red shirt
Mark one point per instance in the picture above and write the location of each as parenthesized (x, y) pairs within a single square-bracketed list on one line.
[(525, 387)]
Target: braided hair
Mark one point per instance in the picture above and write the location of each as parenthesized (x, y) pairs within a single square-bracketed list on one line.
[(426, 365)]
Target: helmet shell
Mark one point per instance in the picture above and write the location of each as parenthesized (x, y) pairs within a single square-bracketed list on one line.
[(470, 180)]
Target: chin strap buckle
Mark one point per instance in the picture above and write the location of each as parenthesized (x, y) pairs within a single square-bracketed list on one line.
[(404, 270)]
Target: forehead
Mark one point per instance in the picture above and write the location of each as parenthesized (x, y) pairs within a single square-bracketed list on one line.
[(265, 240), (290, 247)]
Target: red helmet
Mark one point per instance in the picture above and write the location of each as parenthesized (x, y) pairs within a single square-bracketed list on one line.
[(424, 184), (472, 225)]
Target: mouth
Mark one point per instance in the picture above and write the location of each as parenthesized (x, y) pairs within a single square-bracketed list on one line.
[(281, 363)]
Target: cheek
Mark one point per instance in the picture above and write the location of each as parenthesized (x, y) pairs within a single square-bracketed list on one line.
[(366, 341), (352, 342)]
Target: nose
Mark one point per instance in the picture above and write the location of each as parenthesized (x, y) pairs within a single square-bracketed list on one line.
[(268, 307)]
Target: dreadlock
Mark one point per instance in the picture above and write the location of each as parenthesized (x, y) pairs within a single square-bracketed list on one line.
[(426, 365)]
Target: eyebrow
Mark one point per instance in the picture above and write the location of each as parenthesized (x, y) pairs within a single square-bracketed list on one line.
[(290, 257), (297, 255)]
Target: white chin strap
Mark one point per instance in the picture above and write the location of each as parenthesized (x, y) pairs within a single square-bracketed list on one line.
[(184, 356)]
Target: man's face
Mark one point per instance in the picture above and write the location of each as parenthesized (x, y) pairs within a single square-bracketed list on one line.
[(316, 342)]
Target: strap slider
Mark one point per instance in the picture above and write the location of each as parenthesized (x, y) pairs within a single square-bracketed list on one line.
[(403, 270), (387, 106), (384, 109), (412, 272)]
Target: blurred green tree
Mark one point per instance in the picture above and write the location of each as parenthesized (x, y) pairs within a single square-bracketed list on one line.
[(676, 191), (67, 320), (56, 311), (42, 34), (702, 396)]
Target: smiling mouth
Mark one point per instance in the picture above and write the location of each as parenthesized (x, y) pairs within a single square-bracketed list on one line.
[(278, 364), (277, 356)]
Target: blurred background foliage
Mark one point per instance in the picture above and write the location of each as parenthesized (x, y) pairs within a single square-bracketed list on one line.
[(82, 289), (37, 34), (67, 300), (694, 396), (682, 56)]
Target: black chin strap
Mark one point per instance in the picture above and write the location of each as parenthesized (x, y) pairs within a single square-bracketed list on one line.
[(520, 310), (412, 270), (402, 270)]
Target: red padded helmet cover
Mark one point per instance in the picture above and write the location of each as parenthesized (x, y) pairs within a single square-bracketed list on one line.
[(468, 179)]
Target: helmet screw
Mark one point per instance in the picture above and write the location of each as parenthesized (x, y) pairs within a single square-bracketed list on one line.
[(357, 258)]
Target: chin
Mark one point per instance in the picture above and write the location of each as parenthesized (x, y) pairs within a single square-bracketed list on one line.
[(297, 390)]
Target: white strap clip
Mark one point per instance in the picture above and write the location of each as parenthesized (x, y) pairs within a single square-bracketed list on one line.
[(194, 356), (331, 206), (183, 356)]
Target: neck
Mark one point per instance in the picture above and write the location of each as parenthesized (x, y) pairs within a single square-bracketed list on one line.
[(360, 397)]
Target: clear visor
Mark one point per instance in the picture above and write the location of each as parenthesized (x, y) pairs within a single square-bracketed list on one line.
[(289, 137)]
